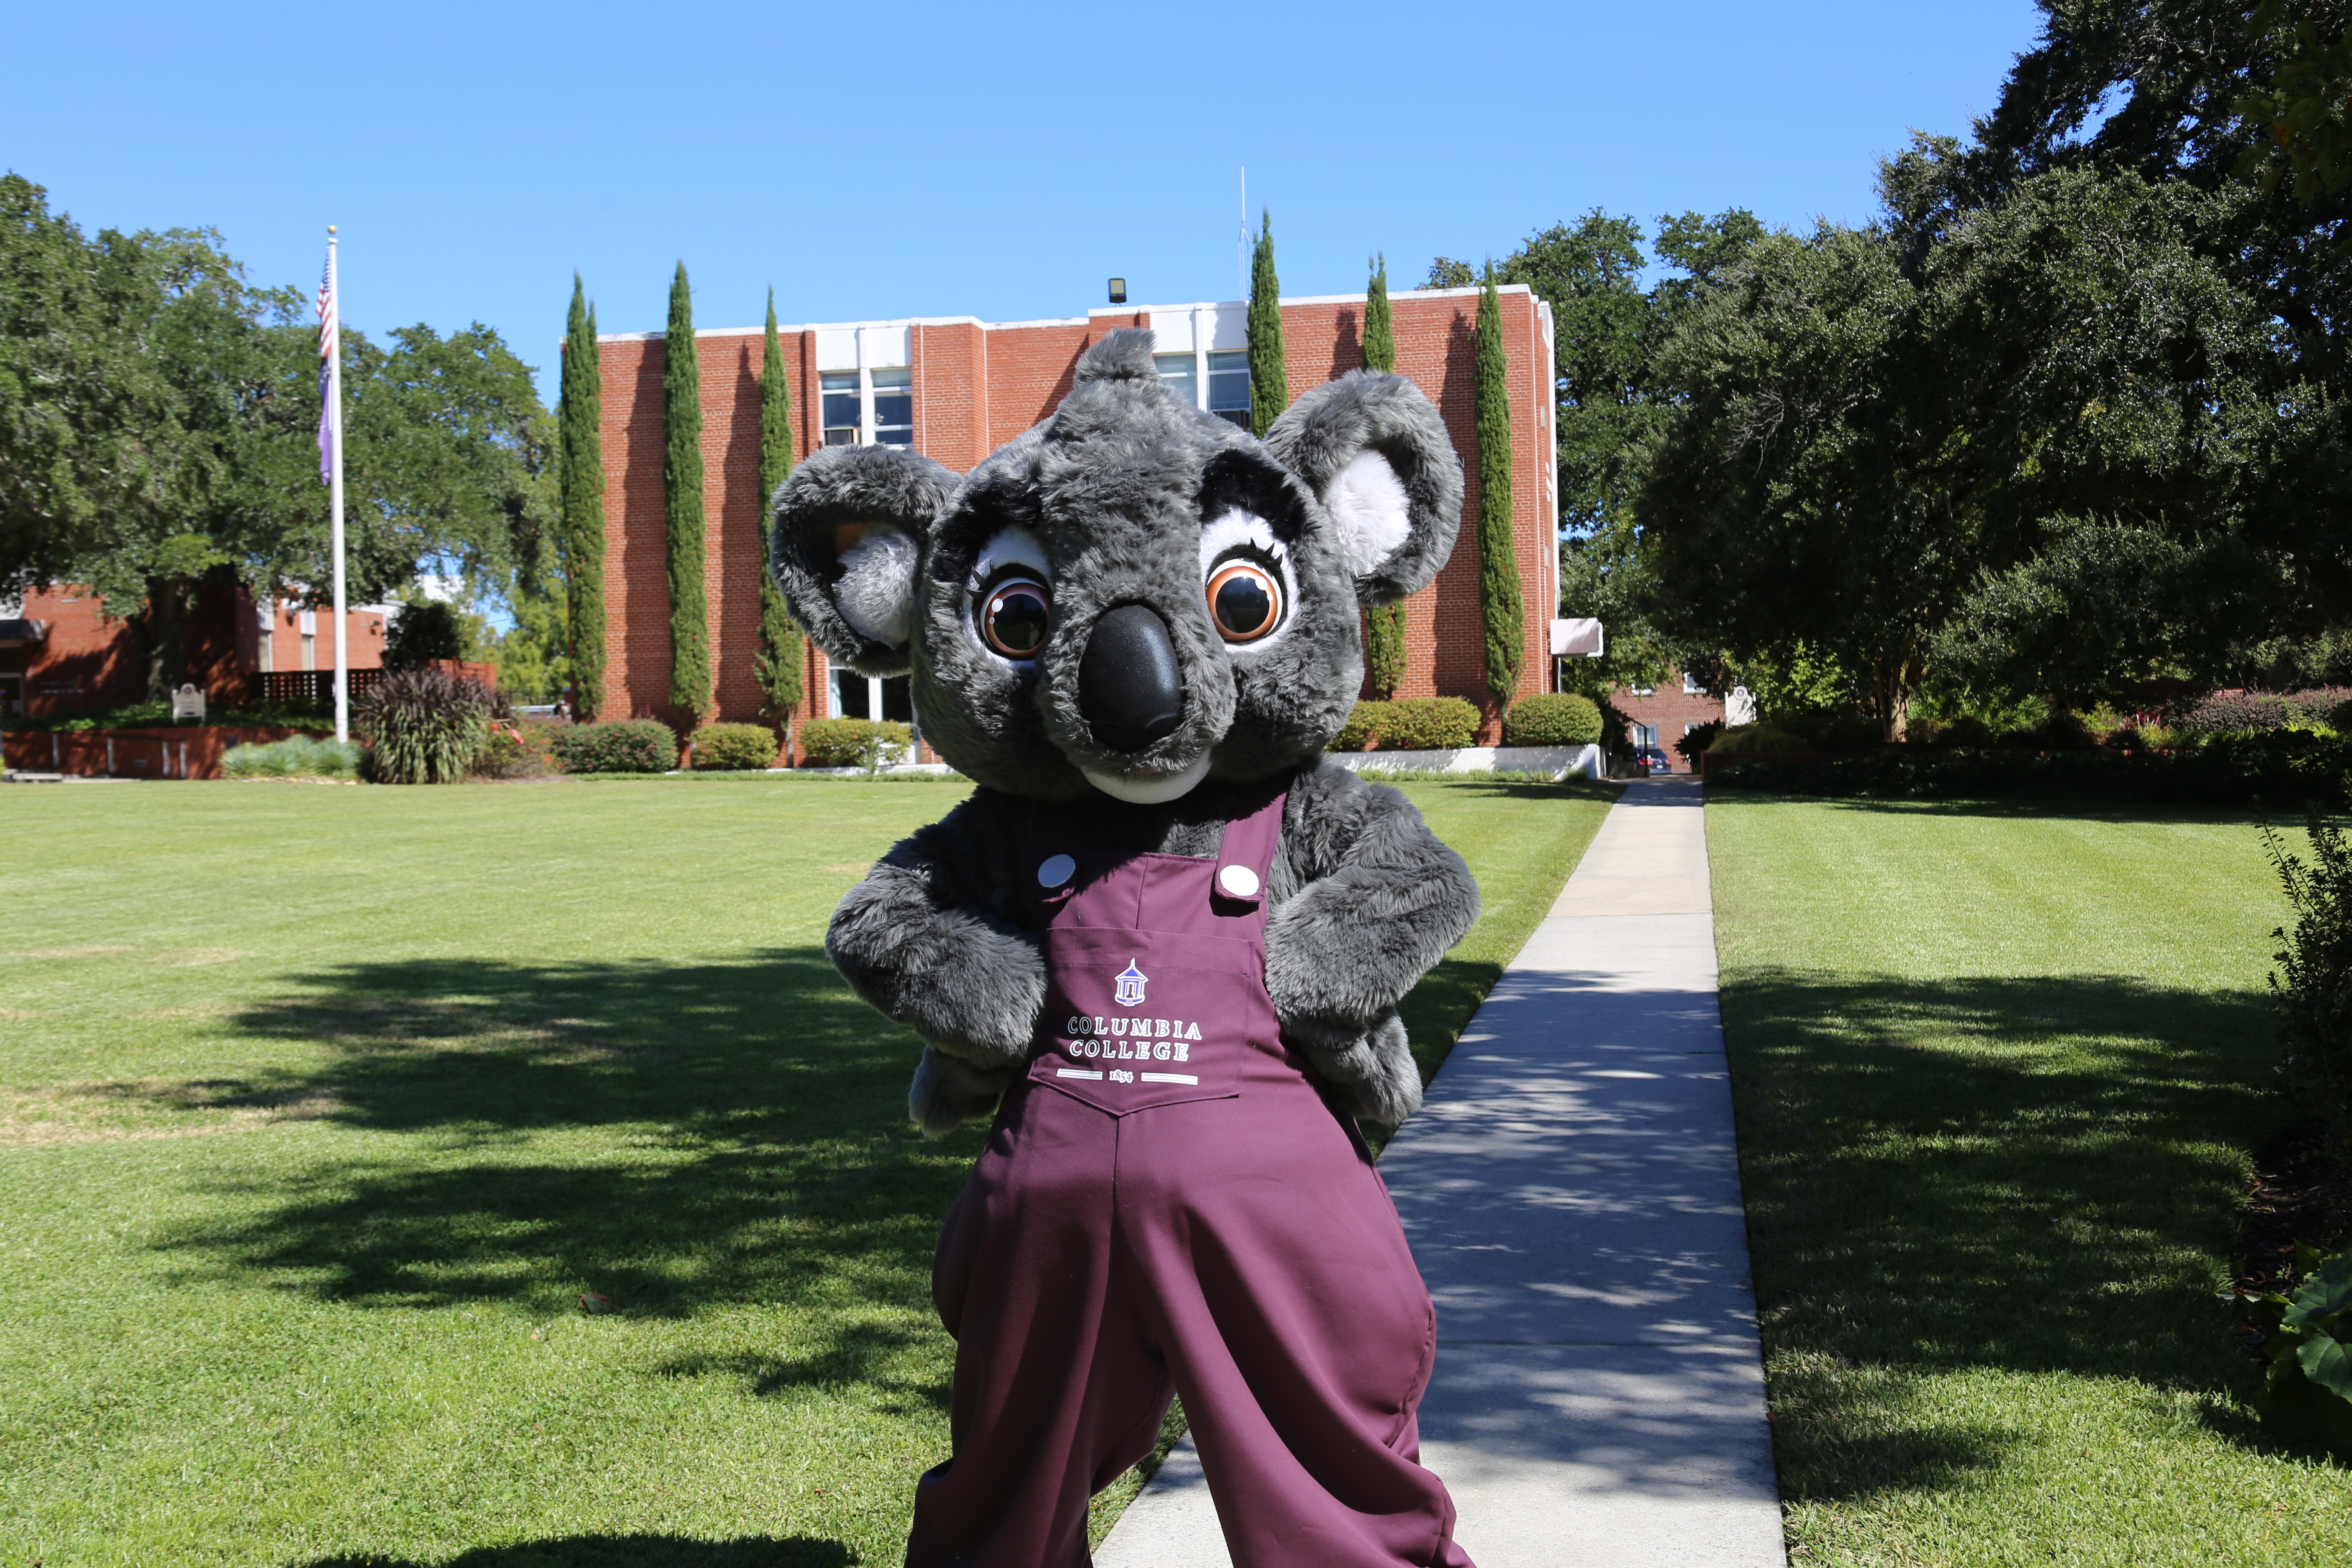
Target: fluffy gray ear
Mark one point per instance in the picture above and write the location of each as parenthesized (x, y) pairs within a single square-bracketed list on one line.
[(1372, 446), (846, 545)]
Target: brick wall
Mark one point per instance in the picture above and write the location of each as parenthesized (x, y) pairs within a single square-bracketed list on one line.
[(977, 387), (89, 661), (1671, 710)]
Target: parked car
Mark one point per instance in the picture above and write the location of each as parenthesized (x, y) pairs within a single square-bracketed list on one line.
[(1652, 759)]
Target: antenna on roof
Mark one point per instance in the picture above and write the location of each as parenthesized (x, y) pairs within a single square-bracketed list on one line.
[(1241, 243)]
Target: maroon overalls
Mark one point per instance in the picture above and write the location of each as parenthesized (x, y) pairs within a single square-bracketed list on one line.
[(1168, 1205)]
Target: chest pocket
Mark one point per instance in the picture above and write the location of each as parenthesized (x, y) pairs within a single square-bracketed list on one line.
[(1137, 1018)]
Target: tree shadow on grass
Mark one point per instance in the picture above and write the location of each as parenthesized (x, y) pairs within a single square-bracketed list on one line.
[(625, 1552), (2028, 1173), (673, 1138)]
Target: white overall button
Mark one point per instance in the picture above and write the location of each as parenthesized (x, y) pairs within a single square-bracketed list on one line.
[(1056, 870), (1238, 881)]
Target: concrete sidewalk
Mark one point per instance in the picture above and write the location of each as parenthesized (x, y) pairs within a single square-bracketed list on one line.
[(1573, 1199)]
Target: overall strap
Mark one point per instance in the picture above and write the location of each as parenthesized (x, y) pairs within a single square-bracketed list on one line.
[(1246, 856)]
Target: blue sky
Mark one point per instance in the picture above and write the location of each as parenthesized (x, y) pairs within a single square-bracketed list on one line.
[(874, 161)]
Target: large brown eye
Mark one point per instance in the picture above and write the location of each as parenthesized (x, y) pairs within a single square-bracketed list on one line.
[(1013, 618), (1244, 601)]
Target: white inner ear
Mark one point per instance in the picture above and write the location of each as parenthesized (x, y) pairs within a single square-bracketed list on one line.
[(876, 591), (1368, 501), (1007, 547)]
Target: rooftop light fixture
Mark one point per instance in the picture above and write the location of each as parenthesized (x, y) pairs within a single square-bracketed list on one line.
[(1119, 291)]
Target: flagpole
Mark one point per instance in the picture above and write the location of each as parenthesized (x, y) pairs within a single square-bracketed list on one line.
[(335, 413)]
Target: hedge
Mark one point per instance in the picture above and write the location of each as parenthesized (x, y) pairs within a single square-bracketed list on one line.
[(624, 746), (1552, 719), (735, 748), (843, 742), (1758, 740), (1408, 724), (2280, 768)]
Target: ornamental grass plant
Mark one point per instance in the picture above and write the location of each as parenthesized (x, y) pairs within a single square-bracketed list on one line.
[(422, 726), (299, 757)]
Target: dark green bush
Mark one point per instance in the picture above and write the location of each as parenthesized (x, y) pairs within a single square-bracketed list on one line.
[(735, 748), (1552, 719), (2312, 987), (854, 742), (1362, 728), (2282, 766), (1697, 739), (1833, 731), (1968, 730), (624, 746), (2306, 1391), (1757, 740), (422, 726), (1429, 724)]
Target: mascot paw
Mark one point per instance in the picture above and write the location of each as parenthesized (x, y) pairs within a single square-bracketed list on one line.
[(1374, 1072), (947, 1091)]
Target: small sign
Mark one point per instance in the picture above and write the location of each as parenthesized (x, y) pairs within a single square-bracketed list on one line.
[(187, 703)]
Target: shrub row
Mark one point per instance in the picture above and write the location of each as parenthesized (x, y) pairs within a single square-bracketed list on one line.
[(854, 742), (622, 746), (735, 748), (1552, 719), (2281, 767), (1410, 724), (2226, 712)]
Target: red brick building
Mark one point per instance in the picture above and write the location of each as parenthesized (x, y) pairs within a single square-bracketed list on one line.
[(1656, 717), (60, 654), (957, 388)]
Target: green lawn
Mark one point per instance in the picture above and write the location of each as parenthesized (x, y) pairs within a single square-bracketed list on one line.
[(320, 1107), (1999, 1071)]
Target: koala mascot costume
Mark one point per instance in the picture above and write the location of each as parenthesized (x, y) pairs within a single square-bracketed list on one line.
[(1163, 941)]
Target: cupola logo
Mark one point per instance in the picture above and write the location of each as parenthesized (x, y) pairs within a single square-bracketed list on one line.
[(1130, 986)]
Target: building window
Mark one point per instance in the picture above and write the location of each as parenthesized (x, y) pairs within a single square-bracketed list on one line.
[(1180, 374), (1645, 736), (1691, 687), (857, 696), (868, 408), (894, 407), (843, 415), (1229, 386), (1638, 690)]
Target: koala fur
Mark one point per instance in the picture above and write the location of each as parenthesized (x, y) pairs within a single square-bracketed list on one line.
[(1124, 496)]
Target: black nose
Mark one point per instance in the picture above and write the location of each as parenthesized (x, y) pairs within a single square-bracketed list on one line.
[(1129, 688)]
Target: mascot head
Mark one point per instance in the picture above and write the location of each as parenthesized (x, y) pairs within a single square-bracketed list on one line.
[(1134, 595)]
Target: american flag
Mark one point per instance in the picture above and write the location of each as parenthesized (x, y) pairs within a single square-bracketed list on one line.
[(326, 370)]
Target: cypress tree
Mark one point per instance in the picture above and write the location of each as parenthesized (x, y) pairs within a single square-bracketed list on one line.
[(1269, 383), (1498, 566), (580, 481), (690, 615), (1379, 327), (1384, 655), (779, 660)]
